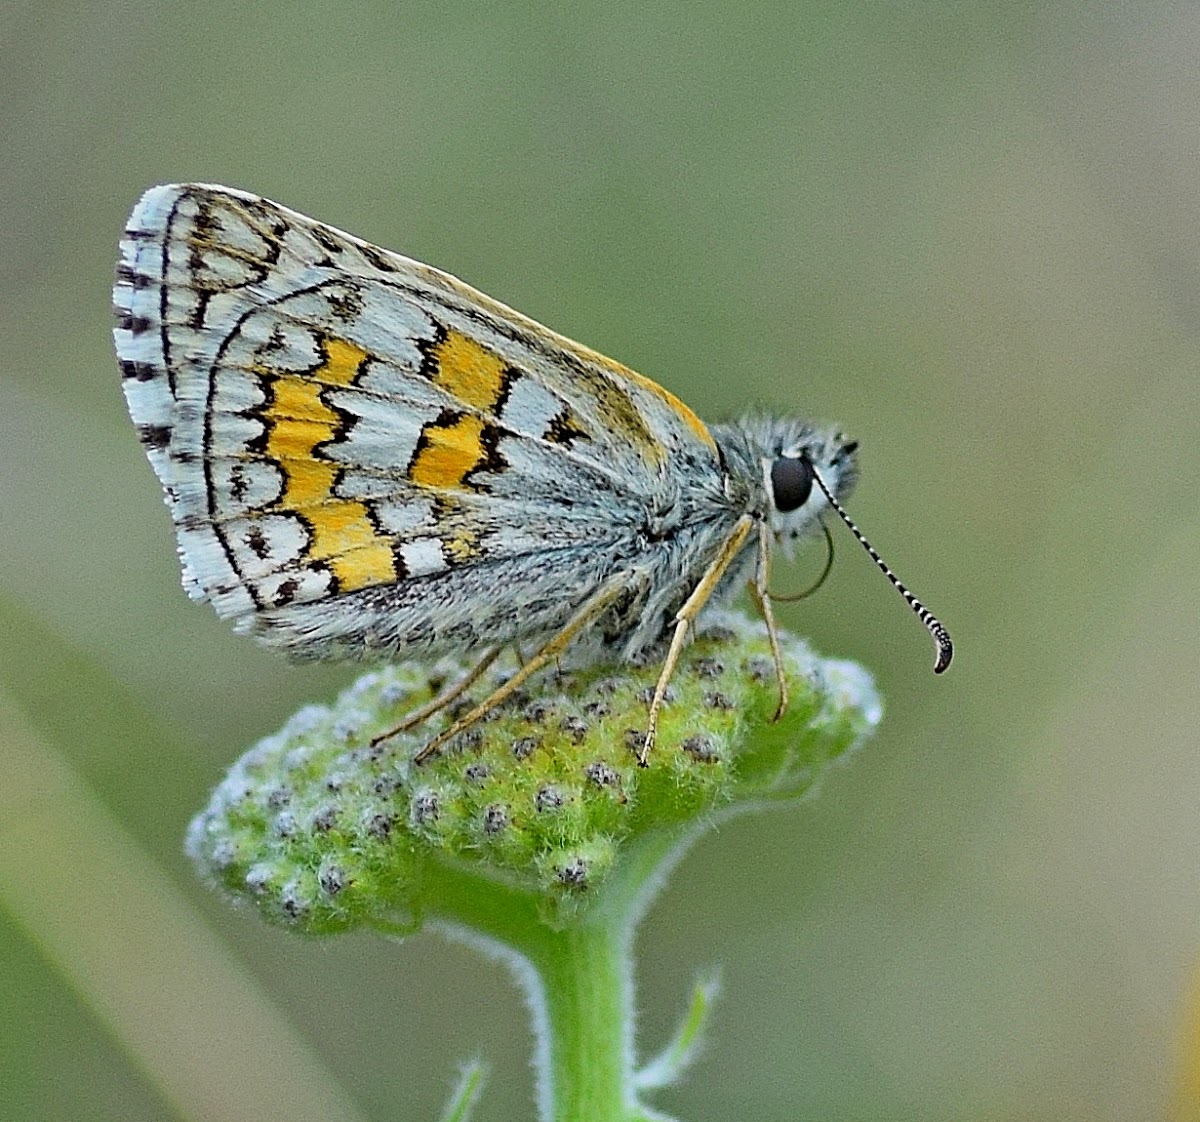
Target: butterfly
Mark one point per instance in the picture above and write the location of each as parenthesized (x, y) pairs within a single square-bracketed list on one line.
[(365, 457)]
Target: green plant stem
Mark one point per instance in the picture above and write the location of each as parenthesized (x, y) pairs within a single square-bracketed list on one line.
[(577, 978), (586, 993)]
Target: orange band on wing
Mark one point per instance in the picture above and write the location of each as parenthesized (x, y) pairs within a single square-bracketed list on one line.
[(467, 370), (297, 421), (448, 452)]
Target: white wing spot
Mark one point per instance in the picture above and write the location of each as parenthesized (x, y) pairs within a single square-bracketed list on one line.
[(422, 557), (242, 485), (265, 545)]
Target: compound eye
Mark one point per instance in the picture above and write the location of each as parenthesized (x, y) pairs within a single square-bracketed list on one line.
[(791, 483)]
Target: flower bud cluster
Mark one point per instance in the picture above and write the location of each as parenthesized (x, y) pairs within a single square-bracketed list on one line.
[(324, 831)]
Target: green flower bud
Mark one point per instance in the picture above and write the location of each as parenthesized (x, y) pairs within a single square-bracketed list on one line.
[(323, 831)]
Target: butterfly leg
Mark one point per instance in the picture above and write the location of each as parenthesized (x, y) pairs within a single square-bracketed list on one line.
[(762, 598), (442, 700), (685, 618), (593, 608)]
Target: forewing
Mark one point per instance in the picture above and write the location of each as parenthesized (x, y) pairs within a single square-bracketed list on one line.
[(327, 417)]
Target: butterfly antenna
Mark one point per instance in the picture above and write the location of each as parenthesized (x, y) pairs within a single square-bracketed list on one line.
[(941, 637)]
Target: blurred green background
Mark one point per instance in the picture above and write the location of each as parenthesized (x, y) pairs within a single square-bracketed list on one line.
[(966, 232)]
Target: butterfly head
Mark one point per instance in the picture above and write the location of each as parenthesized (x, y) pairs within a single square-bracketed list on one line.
[(793, 471), (781, 459)]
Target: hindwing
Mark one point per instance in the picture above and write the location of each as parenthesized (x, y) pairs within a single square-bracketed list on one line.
[(328, 417)]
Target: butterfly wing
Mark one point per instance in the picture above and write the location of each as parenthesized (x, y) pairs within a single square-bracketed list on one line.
[(358, 449)]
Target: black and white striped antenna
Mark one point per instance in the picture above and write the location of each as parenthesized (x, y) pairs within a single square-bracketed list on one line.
[(941, 637)]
